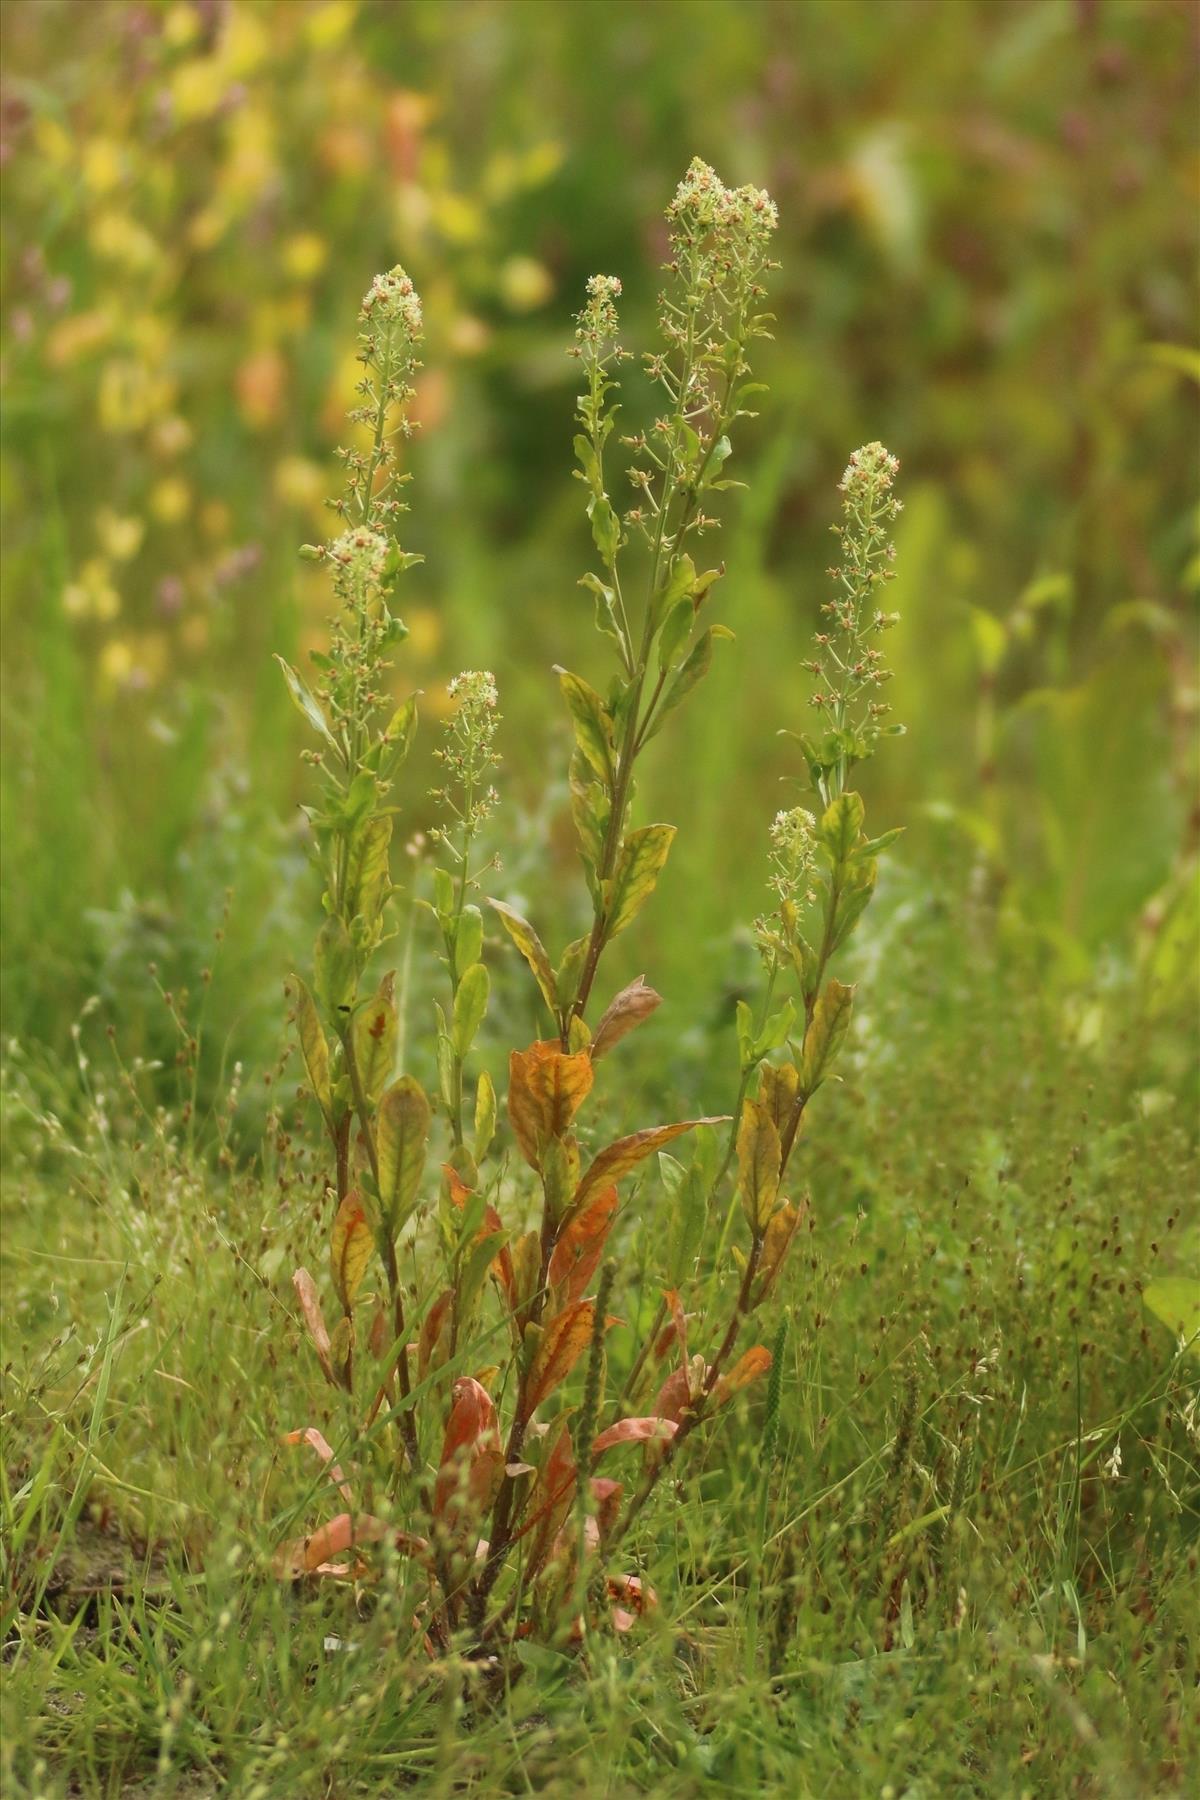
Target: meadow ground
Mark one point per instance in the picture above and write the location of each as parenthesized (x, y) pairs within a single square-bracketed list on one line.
[(968, 1566)]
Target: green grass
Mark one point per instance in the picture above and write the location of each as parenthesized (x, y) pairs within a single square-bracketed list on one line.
[(939, 1586)]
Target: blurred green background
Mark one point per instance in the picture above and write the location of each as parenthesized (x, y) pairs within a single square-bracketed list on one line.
[(988, 242)]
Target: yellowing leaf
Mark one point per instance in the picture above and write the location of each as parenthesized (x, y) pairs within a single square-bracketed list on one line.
[(826, 1034), (748, 1368), (758, 1156), (470, 1004), (531, 947), (402, 1127), (593, 726), (375, 1039), (313, 1048), (778, 1089), (1175, 1300), (349, 1249), (546, 1087), (643, 856)]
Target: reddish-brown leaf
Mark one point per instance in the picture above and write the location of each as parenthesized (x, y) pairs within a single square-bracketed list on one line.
[(472, 1439), (546, 1088), (633, 1431), (563, 1342), (580, 1246), (433, 1342), (626, 1153), (349, 1248), (502, 1262), (310, 1435), (781, 1229)]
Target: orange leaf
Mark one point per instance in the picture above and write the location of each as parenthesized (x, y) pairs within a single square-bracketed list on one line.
[(563, 1343), (581, 1245), (502, 1262), (633, 1431), (748, 1368), (633, 1004), (314, 1318), (781, 1229), (349, 1248), (434, 1330), (471, 1435), (553, 1496), (310, 1435), (625, 1154), (546, 1088), (310, 1556)]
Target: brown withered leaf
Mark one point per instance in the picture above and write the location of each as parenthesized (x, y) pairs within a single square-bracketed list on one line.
[(546, 1087), (350, 1247), (563, 1342), (314, 1318), (433, 1340), (633, 1004), (748, 1368), (318, 1442), (580, 1246), (625, 1154)]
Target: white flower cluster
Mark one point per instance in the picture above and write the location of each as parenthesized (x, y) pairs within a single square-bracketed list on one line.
[(475, 689), (361, 553), (393, 299), (794, 854), (703, 203), (869, 476), (597, 323)]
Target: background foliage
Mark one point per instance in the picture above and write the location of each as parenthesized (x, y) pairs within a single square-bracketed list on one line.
[(985, 255)]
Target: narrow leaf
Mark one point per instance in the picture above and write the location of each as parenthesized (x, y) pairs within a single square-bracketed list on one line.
[(531, 947)]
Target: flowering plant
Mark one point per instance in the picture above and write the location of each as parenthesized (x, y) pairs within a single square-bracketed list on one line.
[(487, 1370)]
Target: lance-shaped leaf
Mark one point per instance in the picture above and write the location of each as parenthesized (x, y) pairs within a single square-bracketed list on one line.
[(580, 1246), (349, 1248), (471, 1439), (485, 1115), (470, 1004), (314, 1049), (531, 947), (633, 1004), (553, 1495), (781, 1229), (374, 1033), (368, 872), (401, 1129), (334, 967), (318, 1442), (491, 1232), (634, 1431), (643, 857), (563, 1342), (310, 1556), (593, 725), (758, 1155), (841, 826), (618, 1158), (826, 1034), (314, 1318), (693, 670), (546, 1087), (778, 1089), (307, 703), (748, 1368), (433, 1341), (686, 1214), (397, 740)]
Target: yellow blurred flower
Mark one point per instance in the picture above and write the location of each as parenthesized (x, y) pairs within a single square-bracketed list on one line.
[(305, 255), (131, 394), (120, 538), (53, 141), (197, 88), (181, 26), (525, 283), (116, 662), (244, 42), (92, 595), (172, 436), (102, 165), (208, 227), (459, 219), (118, 238), (193, 633), (468, 336), (77, 336), (327, 25), (216, 520), (299, 482), (170, 499)]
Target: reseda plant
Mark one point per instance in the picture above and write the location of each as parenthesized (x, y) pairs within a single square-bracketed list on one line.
[(489, 1365)]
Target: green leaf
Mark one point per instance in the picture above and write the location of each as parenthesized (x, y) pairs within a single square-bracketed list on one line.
[(307, 702), (468, 937), (776, 1031), (566, 981), (374, 1037), (335, 967), (588, 461), (402, 1128), (677, 628), (485, 1115), (314, 1049), (606, 528), (678, 584), (826, 1034), (470, 1004), (686, 1217), (531, 947), (841, 826), (396, 742), (606, 613), (593, 728), (1175, 1300), (693, 670), (368, 871), (643, 856)]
